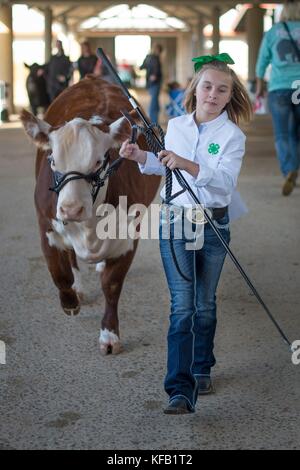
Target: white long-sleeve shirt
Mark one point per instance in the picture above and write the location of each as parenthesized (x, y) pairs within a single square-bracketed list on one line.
[(218, 146)]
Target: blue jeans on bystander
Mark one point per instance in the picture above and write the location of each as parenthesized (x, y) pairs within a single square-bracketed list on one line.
[(286, 123), (154, 107)]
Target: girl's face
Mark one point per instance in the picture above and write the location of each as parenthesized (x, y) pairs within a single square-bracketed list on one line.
[(213, 92)]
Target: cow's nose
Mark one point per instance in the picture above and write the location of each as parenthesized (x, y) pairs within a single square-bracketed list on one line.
[(72, 212)]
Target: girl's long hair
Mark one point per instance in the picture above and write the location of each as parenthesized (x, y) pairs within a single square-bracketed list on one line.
[(239, 107)]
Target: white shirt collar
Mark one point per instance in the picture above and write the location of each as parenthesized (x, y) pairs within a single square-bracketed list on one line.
[(211, 125)]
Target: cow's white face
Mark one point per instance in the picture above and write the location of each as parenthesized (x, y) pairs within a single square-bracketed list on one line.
[(77, 146)]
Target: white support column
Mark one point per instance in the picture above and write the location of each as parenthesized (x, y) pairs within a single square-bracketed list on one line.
[(6, 40), (184, 63), (48, 33), (254, 31), (216, 29), (198, 39)]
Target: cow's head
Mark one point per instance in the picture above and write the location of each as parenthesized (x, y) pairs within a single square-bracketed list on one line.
[(80, 146)]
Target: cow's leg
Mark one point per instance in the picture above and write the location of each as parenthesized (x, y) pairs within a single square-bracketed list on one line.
[(59, 265), (77, 285), (112, 279)]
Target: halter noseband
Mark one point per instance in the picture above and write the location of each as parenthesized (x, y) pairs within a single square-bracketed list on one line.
[(94, 178)]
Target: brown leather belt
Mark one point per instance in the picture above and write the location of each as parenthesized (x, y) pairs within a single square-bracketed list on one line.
[(218, 212), (215, 213)]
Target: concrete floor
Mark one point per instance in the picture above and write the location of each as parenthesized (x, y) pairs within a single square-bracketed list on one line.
[(57, 392)]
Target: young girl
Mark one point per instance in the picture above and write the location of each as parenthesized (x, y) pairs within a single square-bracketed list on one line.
[(208, 146)]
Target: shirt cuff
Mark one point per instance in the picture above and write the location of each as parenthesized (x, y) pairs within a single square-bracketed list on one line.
[(204, 176), (151, 166)]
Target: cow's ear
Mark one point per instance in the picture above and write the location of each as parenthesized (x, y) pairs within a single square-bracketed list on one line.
[(36, 129), (119, 131)]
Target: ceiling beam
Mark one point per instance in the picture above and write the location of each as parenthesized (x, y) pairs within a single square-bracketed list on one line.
[(95, 12), (170, 13), (206, 13), (161, 3), (65, 12)]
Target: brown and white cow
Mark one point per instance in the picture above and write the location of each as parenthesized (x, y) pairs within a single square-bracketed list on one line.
[(79, 127)]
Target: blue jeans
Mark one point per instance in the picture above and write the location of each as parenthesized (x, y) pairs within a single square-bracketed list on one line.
[(286, 123), (193, 309), (154, 108)]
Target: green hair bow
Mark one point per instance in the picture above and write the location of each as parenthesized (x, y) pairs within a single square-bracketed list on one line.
[(206, 59)]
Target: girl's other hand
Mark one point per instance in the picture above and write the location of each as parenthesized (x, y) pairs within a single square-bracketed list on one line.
[(171, 160)]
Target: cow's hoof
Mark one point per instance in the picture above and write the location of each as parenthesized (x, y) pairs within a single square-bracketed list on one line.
[(106, 349), (71, 312), (109, 343), (70, 302)]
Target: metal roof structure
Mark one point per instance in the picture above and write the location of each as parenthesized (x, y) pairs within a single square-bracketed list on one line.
[(74, 12)]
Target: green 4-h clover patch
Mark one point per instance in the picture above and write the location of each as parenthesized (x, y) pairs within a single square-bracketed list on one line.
[(213, 149)]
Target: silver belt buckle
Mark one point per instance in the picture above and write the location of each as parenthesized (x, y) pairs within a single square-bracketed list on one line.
[(196, 215)]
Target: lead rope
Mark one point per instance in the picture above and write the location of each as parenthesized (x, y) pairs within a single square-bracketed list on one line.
[(155, 148)]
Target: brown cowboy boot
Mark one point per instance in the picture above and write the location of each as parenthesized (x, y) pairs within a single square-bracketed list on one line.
[(289, 183)]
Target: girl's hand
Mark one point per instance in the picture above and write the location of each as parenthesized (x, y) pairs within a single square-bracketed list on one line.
[(133, 152), (172, 161)]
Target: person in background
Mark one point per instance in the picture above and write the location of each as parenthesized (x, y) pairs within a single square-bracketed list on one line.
[(87, 61), (126, 73), (102, 71), (152, 65), (58, 72), (175, 106), (281, 48)]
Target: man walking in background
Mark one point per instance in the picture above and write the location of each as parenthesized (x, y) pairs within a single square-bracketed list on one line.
[(152, 65)]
